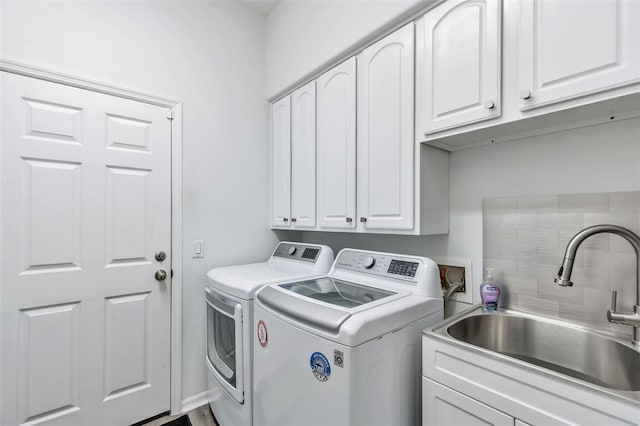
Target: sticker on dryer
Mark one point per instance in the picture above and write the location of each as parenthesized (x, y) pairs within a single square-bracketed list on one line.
[(320, 366), (263, 337)]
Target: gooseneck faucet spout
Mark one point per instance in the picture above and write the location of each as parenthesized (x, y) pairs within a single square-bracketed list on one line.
[(564, 274)]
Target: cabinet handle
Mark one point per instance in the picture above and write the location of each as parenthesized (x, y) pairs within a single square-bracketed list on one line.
[(489, 105), (363, 219), (349, 219), (285, 219), (293, 219), (525, 94)]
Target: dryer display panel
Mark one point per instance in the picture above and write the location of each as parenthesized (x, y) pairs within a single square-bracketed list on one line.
[(337, 292)]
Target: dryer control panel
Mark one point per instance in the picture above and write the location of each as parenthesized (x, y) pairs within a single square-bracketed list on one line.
[(385, 265), (296, 251)]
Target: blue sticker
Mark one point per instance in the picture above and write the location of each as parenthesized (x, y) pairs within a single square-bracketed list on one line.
[(320, 366)]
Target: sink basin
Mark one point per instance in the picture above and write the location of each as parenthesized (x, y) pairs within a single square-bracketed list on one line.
[(571, 351)]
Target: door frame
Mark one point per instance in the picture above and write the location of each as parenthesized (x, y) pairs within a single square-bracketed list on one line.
[(175, 109)]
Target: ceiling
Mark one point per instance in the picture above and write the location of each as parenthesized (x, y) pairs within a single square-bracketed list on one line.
[(262, 7)]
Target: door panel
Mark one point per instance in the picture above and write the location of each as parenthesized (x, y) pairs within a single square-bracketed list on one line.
[(337, 146), (459, 64), (385, 132), (281, 163), (559, 61), (303, 156), (85, 200)]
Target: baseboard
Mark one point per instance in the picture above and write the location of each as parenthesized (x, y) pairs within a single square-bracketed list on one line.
[(195, 401)]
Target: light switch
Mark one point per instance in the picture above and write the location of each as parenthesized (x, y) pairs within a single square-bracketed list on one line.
[(198, 249)]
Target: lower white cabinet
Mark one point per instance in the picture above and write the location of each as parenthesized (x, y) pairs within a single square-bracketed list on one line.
[(445, 407)]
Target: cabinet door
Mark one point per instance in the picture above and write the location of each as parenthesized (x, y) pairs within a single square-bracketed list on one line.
[(442, 406), (337, 146), (459, 64), (569, 49), (385, 132), (281, 163), (303, 157)]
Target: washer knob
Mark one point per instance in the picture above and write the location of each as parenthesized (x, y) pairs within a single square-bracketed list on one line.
[(368, 262), (292, 250)]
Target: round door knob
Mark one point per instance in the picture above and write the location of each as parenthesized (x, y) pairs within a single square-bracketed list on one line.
[(161, 275), (489, 105), (369, 261), (160, 256), (525, 94)]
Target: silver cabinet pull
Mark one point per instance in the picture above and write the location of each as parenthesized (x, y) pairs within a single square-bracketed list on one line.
[(363, 219), (293, 219), (489, 105), (161, 275), (349, 219), (525, 94), (285, 219)]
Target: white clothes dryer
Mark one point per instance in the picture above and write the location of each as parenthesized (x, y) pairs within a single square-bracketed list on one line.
[(229, 297), (345, 348)]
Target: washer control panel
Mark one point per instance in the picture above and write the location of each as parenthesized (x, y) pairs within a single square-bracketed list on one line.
[(301, 252), (386, 265)]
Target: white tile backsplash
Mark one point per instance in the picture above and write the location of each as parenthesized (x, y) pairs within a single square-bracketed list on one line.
[(525, 239)]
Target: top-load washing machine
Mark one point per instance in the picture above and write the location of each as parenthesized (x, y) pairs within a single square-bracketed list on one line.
[(345, 349), (229, 305)]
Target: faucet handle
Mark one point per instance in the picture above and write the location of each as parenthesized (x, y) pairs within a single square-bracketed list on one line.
[(614, 300)]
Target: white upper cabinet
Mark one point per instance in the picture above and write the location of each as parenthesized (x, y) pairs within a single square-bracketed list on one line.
[(303, 157), (281, 163), (385, 133), (458, 64), (336, 133), (569, 49)]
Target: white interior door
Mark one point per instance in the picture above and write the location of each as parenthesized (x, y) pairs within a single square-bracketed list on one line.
[(85, 201)]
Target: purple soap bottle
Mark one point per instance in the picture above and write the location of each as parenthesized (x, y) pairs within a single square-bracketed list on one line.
[(489, 293)]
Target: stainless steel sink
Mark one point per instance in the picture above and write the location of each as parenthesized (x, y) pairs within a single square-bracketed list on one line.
[(577, 353), (596, 359)]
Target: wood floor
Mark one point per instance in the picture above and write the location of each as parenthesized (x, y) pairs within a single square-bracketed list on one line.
[(201, 416)]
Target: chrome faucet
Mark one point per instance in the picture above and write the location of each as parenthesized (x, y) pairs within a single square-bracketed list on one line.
[(564, 274)]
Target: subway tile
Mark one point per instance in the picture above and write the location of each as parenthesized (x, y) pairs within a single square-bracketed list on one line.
[(490, 221), (553, 291), (550, 308), (620, 245), (491, 250), (539, 238), (625, 202), (597, 298), (501, 266), (519, 252), (538, 204), (518, 220), (594, 318), (593, 203), (504, 204), (598, 259), (508, 237), (590, 277), (564, 221), (554, 257)]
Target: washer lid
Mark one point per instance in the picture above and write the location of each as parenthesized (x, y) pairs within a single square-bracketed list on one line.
[(337, 292)]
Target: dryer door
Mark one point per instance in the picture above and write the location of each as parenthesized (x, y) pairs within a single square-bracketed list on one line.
[(224, 342)]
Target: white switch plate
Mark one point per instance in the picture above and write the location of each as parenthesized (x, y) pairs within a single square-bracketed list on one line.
[(198, 249)]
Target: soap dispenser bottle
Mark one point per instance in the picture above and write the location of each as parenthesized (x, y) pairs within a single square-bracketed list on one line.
[(489, 293)]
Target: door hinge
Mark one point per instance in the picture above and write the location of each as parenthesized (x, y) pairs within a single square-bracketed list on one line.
[(170, 116)]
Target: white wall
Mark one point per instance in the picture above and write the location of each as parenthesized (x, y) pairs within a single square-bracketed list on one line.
[(210, 55), (301, 36)]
